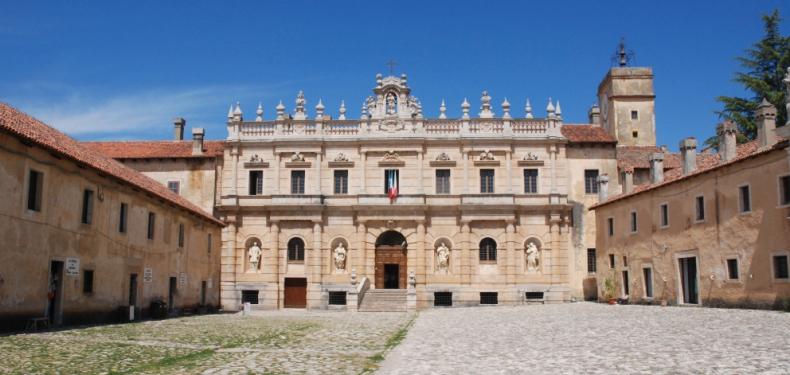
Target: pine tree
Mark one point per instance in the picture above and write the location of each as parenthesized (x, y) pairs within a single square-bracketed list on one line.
[(765, 65)]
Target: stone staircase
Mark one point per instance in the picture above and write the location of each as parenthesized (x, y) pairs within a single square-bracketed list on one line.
[(380, 300)]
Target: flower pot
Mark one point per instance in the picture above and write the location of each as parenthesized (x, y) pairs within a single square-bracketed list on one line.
[(612, 301)]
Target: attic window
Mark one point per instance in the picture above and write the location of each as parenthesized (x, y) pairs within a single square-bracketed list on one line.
[(635, 134), (634, 115)]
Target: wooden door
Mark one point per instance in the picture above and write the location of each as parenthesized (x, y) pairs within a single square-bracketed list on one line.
[(295, 292), (390, 255)]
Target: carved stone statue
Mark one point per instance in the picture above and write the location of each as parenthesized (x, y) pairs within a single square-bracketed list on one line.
[(443, 157), (390, 104), (255, 159), (533, 257), (341, 157), (486, 155), (442, 257), (340, 257), (391, 156), (412, 280), (297, 156), (530, 156), (255, 256)]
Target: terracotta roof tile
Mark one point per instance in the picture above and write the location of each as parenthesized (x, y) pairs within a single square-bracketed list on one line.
[(31, 130), (639, 157), (154, 149), (586, 134)]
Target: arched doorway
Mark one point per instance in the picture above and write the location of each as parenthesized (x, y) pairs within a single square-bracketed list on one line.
[(390, 261)]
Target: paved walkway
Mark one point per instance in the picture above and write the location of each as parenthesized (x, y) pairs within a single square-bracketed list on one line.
[(587, 338)]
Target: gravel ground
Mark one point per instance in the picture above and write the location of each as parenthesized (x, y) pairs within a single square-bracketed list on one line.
[(588, 338)]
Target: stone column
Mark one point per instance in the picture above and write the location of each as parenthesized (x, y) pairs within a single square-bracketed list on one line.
[(275, 247), (228, 294), (316, 260), (317, 168), (509, 169), (276, 182), (465, 156), (421, 252), (466, 254), (510, 266), (361, 261), (363, 172), (234, 152)]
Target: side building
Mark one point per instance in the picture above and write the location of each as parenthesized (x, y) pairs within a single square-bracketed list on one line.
[(85, 237), (715, 231)]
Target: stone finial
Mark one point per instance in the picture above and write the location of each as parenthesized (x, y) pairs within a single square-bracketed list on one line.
[(379, 78), (766, 123), (342, 110), (727, 132), (505, 109), (550, 109), (603, 187), (230, 112), (364, 110), (558, 111), (442, 111), (259, 112), (786, 81), (280, 111), (403, 79), (465, 109), (688, 155), (237, 114), (528, 110), (485, 106), (319, 110), (299, 112), (656, 168)]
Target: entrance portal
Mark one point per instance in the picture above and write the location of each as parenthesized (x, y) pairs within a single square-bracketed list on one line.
[(688, 279), (390, 261)]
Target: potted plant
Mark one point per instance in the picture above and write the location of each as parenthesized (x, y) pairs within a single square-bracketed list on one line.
[(609, 290)]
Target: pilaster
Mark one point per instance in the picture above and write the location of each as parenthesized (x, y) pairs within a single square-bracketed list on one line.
[(421, 253), (274, 231), (466, 254), (510, 266)]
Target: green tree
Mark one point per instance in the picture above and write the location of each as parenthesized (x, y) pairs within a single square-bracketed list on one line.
[(764, 67)]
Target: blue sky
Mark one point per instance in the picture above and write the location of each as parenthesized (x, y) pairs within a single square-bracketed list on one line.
[(124, 70)]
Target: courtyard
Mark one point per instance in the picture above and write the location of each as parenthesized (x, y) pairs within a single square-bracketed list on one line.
[(546, 339)]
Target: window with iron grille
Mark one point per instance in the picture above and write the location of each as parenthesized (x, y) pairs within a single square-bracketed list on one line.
[(532, 296), (35, 182), (87, 206), (784, 190), (633, 222), (648, 274), (341, 182), (610, 226), (180, 235), (442, 181), (256, 183), (87, 281), (208, 245), (250, 296), (591, 181), (634, 115), (591, 261), (488, 250), (780, 267), (151, 225), (337, 298), (123, 217), (489, 298), (700, 208), (442, 298), (530, 181), (745, 198), (486, 181), (732, 269), (625, 261), (174, 186), (296, 250), (297, 182), (611, 261), (663, 212)]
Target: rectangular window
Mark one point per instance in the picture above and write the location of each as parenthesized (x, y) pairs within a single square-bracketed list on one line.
[(174, 186), (209, 243), (87, 281), (122, 215), (391, 182), (732, 269), (87, 206), (444, 299), (35, 181), (533, 296), (780, 267), (634, 115), (611, 261), (700, 208), (591, 181), (530, 181), (442, 181), (648, 274), (610, 226), (151, 223), (625, 261), (180, 235), (489, 298), (784, 190), (337, 298), (633, 222), (626, 289), (297, 182), (249, 296), (745, 198), (256, 183), (341, 182), (486, 181), (664, 215), (591, 261)]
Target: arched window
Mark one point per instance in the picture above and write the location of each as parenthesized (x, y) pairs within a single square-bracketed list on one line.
[(488, 250), (296, 249)]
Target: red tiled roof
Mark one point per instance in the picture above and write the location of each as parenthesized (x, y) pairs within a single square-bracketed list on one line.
[(31, 130), (586, 134), (639, 157), (705, 163), (154, 149)]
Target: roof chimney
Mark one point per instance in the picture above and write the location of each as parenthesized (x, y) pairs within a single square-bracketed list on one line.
[(726, 132), (594, 115), (766, 123), (688, 155), (197, 141), (603, 187), (657, 168), (178, 132), (628, 180)]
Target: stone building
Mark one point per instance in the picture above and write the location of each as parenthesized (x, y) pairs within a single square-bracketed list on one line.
[(714, 230), (84, 236)]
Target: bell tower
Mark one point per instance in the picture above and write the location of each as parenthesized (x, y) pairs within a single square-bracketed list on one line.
[(627, 103)]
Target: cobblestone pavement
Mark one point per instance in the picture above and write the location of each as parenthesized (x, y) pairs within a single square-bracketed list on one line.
[(287, 341), (588, 338)]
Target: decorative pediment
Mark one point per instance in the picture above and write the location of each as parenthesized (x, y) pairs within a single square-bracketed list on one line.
[(442, 160), (530, 159), (256, 162), (297, 156), (391, 159), (341, 161), (486, 158), (297, 161)]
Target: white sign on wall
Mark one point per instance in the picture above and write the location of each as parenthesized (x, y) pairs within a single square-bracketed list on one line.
[(148, 275), (73, 266), (183, 278)]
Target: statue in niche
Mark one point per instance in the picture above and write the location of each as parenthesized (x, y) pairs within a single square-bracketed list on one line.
[(442, 257), (443, 157), (486, 155), (341, 157), (530, 156), (340, 257), (254, 256), (255, 159), (297, 156), (391, 104), (533, 257)]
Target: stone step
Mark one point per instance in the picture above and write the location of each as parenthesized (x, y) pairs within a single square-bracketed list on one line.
[(383, 300)]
